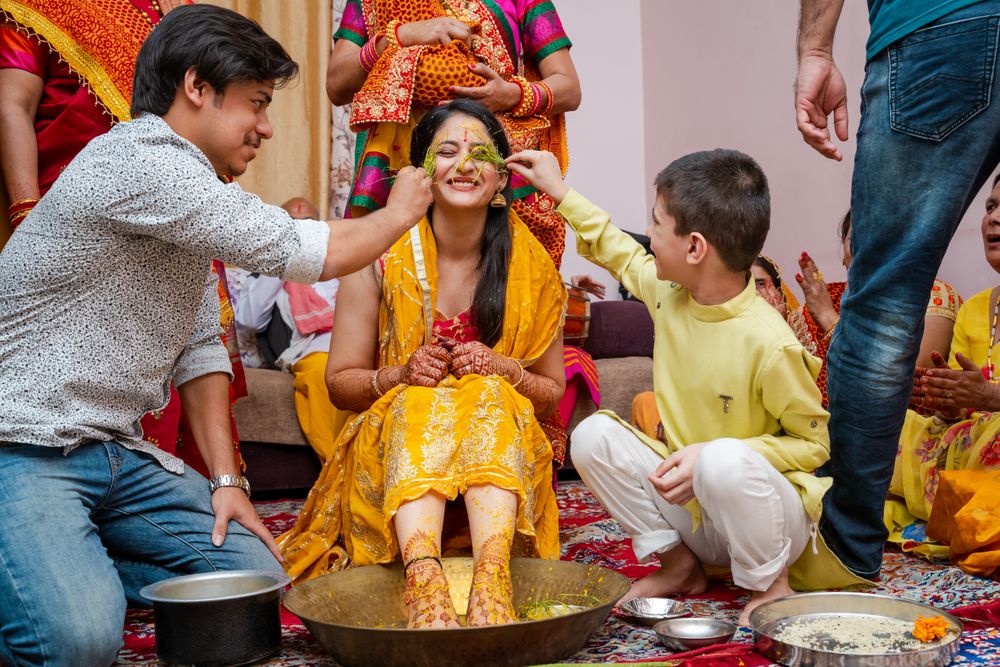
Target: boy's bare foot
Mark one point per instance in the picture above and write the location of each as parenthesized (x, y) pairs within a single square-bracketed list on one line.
[(680, 573), (778, 589)]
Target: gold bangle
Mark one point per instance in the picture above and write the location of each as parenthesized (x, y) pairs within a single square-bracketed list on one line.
[(391, 33), (375, 388), (829, 333), (520, 378), (527, 101)]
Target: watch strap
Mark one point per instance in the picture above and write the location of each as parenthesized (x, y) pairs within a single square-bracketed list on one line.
[(221, 481)]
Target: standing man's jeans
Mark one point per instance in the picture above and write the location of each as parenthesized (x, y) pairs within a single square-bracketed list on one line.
[(81, 533), (928, 140)]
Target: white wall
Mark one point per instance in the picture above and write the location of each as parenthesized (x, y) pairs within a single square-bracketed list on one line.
[(606, 133), (667, 77)]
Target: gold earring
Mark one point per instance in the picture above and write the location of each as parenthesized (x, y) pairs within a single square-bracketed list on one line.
[(498, 201)]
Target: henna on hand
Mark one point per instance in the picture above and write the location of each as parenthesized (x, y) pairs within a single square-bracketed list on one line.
[(476, 359), (427, 366)]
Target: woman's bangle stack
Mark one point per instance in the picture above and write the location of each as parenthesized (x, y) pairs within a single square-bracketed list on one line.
[(19, 210), (536, 98), (368, 55)]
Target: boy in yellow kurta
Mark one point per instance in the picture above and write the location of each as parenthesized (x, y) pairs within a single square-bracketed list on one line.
[(744, 427)]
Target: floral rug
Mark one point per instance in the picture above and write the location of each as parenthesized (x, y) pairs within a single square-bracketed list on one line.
[(589, 535)]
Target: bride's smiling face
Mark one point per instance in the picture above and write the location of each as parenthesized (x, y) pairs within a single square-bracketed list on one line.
[(461, 178)]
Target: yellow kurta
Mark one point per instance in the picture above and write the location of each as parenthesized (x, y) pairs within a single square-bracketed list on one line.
[(476, 430), (733, 370)]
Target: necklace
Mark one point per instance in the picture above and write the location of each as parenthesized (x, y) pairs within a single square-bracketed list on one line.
[(993, 337)]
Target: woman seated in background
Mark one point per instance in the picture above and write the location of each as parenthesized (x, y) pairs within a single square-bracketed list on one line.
[(963, 430), (814, 324), (449, 350)]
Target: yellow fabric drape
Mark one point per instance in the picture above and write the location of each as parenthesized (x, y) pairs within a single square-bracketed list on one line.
[(476, 430), (319, 419), (296, 161)]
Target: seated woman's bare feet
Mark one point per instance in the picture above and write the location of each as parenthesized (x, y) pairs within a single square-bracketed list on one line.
[(680, 573), (778, 589), (491, 600), (428, 602)]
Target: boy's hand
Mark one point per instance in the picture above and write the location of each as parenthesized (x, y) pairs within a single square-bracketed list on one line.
[(677, 487), (541, 169)]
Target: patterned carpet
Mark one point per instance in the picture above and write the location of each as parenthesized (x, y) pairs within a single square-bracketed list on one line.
[(589, 535)]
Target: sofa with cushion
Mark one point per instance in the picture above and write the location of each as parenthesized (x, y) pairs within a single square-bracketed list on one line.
[(278, 456)]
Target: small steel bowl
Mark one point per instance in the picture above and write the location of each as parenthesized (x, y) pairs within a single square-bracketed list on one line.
[(217, 618), (686, 634), (650, 611)]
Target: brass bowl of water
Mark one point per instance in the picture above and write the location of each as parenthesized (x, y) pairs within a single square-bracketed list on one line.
[(358, 615)]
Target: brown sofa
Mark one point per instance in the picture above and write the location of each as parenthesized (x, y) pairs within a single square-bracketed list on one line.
[(279, 458)]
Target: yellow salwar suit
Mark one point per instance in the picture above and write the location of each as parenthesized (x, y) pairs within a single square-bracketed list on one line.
[(464, 432), (930, 446)]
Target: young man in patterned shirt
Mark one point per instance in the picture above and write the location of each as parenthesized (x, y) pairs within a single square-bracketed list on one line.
[(92, 512)]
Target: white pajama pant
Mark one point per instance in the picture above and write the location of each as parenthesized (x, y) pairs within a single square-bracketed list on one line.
[(752, 519)]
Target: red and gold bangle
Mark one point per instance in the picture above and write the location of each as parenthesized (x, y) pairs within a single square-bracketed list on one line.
[(18, 218), (24, 205), (527, 102), (368, 55), (549, 99), (392, 33)]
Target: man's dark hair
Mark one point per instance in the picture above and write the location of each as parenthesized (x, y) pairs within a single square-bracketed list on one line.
[(723, 195), (223, 46)]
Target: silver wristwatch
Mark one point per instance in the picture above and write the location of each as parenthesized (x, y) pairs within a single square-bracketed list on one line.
[(229, 480)]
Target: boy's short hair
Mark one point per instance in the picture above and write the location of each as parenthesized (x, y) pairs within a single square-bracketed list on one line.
[(222, 45), (723, 195)]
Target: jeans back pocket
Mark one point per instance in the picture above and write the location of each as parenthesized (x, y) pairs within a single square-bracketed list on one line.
[(942, 76)]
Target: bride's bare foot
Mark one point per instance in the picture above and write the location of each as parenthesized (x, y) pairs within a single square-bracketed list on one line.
[(680, 573), (490, 602), (778, 589), (428, 602)]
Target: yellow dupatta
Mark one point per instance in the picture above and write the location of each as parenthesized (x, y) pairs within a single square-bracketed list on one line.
[(382, 455)]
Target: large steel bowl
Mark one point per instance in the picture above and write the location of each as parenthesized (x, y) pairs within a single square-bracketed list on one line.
[(359, 618), (822, 607), (217, 618)]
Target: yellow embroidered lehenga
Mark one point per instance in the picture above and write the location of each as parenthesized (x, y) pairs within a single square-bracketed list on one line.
[(476, 430)]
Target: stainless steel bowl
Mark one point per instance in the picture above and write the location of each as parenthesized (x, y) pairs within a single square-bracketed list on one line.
[(217, 618), (766, 618), (650, 611), (686, 634)]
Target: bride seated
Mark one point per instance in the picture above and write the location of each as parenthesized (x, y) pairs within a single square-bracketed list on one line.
[(448, 350)]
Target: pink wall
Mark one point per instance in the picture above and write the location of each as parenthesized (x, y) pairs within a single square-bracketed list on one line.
[(719, 73)]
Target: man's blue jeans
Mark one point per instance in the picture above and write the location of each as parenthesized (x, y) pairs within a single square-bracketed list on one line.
[(929, 138), (81, 533)]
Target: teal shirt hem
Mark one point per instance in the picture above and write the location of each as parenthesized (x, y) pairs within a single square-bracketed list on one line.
[(892, 21)]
